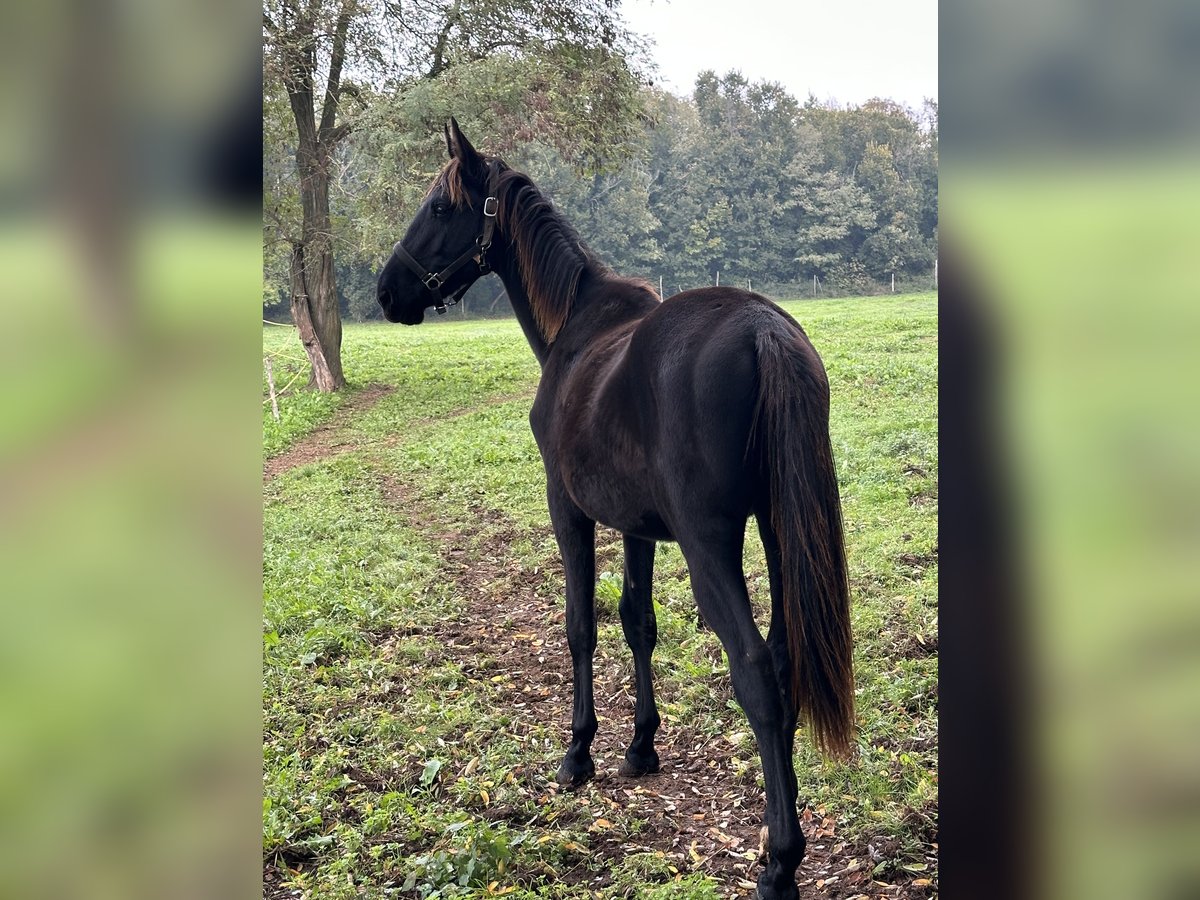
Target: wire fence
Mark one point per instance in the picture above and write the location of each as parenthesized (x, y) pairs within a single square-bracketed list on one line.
[(487, 301), (273, 393)]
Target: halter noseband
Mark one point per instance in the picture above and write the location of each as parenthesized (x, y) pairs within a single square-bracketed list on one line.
[(435, 281)]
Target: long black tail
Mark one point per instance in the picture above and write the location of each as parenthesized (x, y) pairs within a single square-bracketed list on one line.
[(791, 432)]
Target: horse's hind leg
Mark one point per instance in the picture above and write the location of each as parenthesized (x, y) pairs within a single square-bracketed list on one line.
[(777, 635), (720, 589), (641, 631)]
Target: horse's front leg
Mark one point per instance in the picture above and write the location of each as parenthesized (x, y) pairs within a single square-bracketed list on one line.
[(576, 535)]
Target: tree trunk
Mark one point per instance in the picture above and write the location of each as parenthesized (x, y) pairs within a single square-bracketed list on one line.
[(314, 292), (320, 302), (322, 374), (500, 294)]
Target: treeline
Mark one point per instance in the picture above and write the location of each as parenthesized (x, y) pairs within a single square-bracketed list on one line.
[(740, 181), (743, 180)]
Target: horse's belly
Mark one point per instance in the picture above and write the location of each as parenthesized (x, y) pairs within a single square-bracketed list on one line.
[(648, 526), (620, 499)]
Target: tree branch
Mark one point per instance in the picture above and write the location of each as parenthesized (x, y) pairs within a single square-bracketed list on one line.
[(337, 58), (350, 89), (334, 135), (439, 48)]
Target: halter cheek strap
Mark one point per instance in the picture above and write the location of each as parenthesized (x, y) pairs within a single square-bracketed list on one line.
[(435, 281)]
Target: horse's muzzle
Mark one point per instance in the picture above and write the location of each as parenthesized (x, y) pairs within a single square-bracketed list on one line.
[(396, 312)]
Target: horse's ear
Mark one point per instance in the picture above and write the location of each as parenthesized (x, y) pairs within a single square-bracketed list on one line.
[(460, 148)]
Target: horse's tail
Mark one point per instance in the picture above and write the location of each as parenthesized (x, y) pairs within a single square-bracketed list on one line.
[(791, 434)]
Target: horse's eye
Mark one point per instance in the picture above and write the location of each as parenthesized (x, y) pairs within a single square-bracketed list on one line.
[(440, 209)]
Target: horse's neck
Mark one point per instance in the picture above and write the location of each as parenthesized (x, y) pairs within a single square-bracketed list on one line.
[(602, 301), (519, 299)]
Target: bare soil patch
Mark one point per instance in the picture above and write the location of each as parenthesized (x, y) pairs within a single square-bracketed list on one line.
[(329, 439)]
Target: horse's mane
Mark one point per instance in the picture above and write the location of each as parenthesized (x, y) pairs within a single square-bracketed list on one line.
[(550, 254)]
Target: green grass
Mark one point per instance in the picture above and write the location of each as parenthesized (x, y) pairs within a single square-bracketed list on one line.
[(440, 368), (387, 757)]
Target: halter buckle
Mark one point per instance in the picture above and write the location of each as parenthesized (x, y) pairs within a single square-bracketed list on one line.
[(433, 281), (490, 205)]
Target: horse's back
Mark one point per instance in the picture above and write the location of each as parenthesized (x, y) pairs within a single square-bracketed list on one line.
[(656, 420)]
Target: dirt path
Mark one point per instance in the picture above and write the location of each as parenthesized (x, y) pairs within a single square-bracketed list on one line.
[(329, 439), (332, 439), (701, 815)]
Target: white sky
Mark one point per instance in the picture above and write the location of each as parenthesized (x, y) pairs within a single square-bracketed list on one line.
[(847, 51)]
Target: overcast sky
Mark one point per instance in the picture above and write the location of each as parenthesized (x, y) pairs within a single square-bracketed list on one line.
[(848, 51)]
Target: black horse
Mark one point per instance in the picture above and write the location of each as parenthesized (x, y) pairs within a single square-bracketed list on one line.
[(668, 421)]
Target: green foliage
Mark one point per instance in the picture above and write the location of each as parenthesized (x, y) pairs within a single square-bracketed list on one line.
[(745, 181), (831, 212), (847, 278), (608, 595), (472, 854), (688, 887)]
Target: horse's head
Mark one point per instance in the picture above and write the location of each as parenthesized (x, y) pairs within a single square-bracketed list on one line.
[(447, 245)]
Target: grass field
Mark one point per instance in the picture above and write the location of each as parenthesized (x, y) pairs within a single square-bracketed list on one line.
[(417, 682)]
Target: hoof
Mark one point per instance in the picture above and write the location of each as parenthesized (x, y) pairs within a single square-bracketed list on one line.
[(635, 764), (775, 888), (571, 774)]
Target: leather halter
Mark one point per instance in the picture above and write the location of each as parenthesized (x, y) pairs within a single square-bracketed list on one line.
[(435, 281)]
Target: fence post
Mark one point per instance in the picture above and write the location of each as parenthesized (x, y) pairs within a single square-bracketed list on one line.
[(271, 386)]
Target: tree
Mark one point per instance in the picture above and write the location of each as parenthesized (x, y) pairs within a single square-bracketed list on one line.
[(567, 112), (609, 208), (674, 196), (895, 243), (745, 148), (301, 44), (832, 214), (310, 45)]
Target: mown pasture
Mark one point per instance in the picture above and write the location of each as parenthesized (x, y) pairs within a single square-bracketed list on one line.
[(416, 675)]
